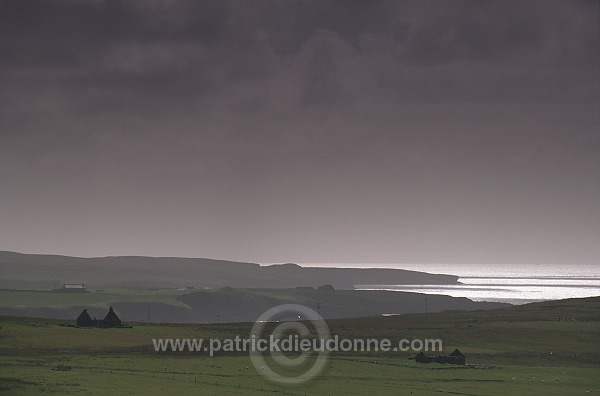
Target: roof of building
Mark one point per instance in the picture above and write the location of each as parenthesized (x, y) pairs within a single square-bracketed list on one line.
[(112, 316), (456, 352), (84, 315), (74, 286)]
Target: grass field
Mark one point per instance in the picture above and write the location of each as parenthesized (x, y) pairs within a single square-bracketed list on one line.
[(45, 298), (543, 349), (227, 304)]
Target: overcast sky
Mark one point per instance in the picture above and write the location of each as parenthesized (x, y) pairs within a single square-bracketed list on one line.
[(302, 131)]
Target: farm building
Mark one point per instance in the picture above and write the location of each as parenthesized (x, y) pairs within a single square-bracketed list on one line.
[(456, 357), (459, 358), (85, 320), (110, 320), (71, 288)]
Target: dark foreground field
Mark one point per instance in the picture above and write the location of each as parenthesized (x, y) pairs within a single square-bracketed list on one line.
[(548, 348)]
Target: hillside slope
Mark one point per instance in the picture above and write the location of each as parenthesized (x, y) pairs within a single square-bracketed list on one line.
[(224, 304), (47, 271)]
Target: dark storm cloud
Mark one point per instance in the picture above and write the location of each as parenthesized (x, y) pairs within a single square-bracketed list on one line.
[(302, 130), (103, 51)]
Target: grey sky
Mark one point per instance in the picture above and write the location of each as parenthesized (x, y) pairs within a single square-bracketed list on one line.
[(306, 131)]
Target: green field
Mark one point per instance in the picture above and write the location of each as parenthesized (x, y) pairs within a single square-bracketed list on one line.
[(45, 298), (547, 348), (229, 304)]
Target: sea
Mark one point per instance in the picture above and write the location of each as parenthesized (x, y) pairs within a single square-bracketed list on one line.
[(514, 284)]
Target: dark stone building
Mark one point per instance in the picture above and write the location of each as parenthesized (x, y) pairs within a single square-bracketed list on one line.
[(459, 358), (85, 320), (110, 320), (456, 357)]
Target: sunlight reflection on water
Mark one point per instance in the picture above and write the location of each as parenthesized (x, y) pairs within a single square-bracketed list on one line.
[(515, 284)]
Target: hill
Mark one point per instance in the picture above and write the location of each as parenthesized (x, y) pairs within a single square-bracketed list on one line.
[(46, 271)]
